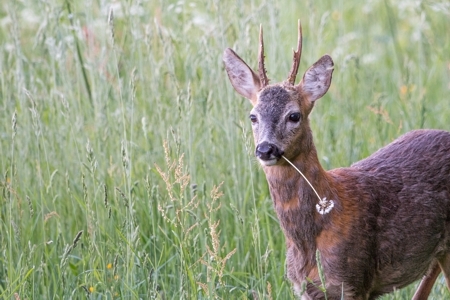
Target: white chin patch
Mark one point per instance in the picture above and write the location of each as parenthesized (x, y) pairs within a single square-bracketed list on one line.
[(268, 162)]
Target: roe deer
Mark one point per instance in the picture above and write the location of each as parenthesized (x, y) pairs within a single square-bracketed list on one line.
[(378, 225)]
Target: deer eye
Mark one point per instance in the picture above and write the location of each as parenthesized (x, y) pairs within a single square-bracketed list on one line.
[(253, 118), (295, 117)]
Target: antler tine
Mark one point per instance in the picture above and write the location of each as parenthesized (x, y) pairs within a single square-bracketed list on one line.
[(262, 70), (296, 58)]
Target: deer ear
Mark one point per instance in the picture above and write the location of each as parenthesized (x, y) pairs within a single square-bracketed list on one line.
[(317, 79), (242, 77)]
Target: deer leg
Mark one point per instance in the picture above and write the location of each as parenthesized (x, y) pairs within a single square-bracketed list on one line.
[(427, 283), (444, 263)]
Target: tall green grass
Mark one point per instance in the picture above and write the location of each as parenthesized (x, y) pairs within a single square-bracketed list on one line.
[(127, 168)]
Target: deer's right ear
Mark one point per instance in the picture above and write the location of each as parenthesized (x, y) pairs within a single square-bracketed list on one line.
[(317, 79), (244, 80)]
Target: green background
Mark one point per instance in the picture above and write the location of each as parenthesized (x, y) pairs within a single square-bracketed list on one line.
[(127, 167)]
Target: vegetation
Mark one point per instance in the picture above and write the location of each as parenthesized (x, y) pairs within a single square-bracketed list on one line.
[(127, 166)]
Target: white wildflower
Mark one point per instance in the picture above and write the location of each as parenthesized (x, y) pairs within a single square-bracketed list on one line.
[(324, 206)]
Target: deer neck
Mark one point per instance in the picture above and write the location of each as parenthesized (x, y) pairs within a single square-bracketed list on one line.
[(289, 189), (295, 201)]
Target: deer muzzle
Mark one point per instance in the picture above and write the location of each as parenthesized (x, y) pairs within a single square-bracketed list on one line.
[(268, 154)]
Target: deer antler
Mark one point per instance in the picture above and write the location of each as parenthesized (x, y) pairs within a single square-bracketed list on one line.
[(296, 58), (261, 69)]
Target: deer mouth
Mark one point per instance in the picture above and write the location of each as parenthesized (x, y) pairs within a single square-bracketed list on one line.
[(270, 162), (268, 154)]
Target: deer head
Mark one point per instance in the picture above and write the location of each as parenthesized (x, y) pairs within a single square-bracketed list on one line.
[(280, 111)]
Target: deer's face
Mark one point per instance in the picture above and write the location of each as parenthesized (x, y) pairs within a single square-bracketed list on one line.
[(280, 111), (276, 122)]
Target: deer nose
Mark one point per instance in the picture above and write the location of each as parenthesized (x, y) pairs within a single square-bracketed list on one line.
[(267, 151)]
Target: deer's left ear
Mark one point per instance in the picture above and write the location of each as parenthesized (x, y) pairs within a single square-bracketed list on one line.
[(242, 77), (317, 79)]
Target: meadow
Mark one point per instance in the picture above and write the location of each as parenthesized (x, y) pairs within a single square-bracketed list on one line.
[(127, 167)]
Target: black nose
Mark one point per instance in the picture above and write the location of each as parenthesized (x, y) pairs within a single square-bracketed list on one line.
[(267, 151)]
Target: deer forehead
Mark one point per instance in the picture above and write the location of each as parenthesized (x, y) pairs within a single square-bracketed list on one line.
[(276, 100)]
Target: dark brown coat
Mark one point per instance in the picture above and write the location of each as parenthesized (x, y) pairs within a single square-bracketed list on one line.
[(390, 223)]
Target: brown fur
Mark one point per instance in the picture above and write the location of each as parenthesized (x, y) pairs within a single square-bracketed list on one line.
[(390, 224)]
